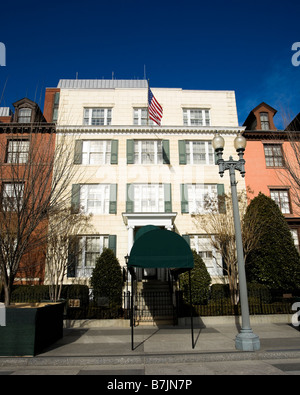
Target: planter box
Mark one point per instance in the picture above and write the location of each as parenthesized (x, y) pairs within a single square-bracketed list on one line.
[(30, 328)]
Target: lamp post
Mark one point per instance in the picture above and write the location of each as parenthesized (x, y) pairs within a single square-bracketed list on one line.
[(246, 340)]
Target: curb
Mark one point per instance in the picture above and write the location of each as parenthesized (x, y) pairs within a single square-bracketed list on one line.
[(149, 358)]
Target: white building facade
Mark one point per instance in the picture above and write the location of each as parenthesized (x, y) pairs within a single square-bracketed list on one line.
[(136, 173)]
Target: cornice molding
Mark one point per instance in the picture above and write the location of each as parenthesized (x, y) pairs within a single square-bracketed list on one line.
[(148, 129), (14, 127), (260, 135)]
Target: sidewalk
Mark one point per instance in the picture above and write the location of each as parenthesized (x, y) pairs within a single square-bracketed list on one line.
[(164, 350)]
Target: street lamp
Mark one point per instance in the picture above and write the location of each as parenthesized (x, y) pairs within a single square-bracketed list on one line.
[(246, 340)]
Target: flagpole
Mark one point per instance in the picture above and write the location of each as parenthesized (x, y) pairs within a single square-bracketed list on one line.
[(148, 102)]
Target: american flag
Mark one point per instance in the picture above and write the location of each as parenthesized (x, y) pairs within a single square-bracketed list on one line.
[(154, 108)]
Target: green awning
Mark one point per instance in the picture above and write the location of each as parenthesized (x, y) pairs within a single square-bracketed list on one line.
[(159, 248)]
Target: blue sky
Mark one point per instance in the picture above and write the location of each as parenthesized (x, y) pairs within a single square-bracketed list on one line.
[(237, 45)]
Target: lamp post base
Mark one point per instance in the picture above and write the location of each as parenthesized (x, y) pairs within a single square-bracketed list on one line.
[(246, 340)]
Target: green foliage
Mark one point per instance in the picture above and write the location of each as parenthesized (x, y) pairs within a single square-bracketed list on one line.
[(107, 279), (37, 293), (200, 282), (275, 261)]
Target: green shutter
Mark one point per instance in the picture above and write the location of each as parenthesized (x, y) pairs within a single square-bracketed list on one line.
[(187, 239), (114, 152), (129, 198), (113, 199), (78, 152), (184, 199), (168, 198), (182, 152), (112, 243), (75, 198), (221, 199), (166, 152), (130, 152), (72, 256)]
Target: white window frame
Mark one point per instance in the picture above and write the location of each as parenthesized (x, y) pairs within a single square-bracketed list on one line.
[(145, 150), (295, 236), (197, 194), (196, 116), (202, 244), (149, 198), (94, 198), (83, 269), (191, 152), (24, 115), (17, 150), (273, 155), (264, 121), (89, 117), (282, 198), (88, 152), (12, 192), (140, 117)]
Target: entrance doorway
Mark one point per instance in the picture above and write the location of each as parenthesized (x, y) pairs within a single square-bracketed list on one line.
[(150, 274)]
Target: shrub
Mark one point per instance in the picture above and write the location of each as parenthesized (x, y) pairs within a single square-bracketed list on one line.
[(107, 279), (200, 282), (275, 262)]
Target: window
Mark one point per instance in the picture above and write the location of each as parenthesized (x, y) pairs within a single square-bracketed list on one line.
[(96, 152), (12, 196), (201, 198), (24, 115), (17, 151), (140, 117), (97, 116), (94, 198), (264, 121), (148, 152), (281, 198), (295, 236), (273, 155), (55, 107), (90, 247), (203, 246), (149, 198), (196, 117), (199, 153)]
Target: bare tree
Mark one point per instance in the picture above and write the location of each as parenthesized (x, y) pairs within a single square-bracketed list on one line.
[(220, 229), (36, 172), (63, 227), (291, 159)]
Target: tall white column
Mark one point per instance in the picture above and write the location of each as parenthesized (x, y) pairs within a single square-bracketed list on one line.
[(130, 237)]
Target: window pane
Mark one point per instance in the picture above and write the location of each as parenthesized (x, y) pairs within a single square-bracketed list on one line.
[(17, 151), (95, 198), (97, 116), (281, 198), (196, 117), (24, 115), (273, 155), (149, 198)]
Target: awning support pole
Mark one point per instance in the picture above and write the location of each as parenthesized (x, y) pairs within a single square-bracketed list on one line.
[(131, 313), (191, 310)]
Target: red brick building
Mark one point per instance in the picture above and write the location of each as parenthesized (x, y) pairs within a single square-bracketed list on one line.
[(265, 163), (27, 143)]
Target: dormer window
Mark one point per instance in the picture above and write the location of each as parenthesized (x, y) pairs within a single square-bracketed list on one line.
[(264, 121), (24, 115)]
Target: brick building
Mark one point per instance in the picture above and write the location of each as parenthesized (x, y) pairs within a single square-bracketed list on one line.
[(265, 164)]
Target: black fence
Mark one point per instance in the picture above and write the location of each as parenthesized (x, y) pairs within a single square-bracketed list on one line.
[(149, 306)]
